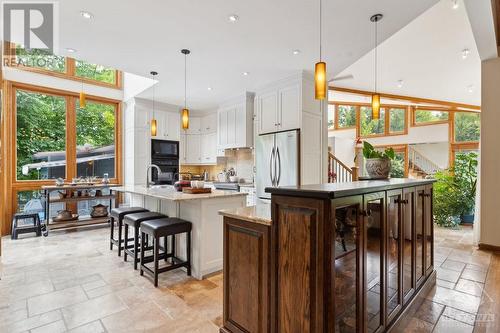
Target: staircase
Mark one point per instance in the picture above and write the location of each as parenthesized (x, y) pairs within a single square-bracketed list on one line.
[(338, 172), (420, 167)]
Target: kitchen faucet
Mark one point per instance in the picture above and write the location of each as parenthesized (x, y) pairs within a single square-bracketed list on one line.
[(149, 183)]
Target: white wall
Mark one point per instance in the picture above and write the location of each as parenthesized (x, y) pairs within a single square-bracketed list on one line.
[(490, 158), (436, 152)]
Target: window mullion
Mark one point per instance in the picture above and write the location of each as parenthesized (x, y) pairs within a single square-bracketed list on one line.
[(70, 138)]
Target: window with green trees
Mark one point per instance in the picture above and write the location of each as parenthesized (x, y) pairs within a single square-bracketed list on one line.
[(95, 139), (371, 126), (397, 120), (95, 72), (346, 116), (430, 116), (41, 135), (37, 58), (467, 126)]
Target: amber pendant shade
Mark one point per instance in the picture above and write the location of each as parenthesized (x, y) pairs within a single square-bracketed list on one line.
[(375, 106), (154, 128), (320, 84), (185, 119), (83, 101)]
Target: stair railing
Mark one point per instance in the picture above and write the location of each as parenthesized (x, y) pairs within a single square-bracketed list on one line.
[(417, 161), (338, 172)]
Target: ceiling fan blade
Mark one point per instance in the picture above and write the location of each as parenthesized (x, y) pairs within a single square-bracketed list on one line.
[(341, 78)]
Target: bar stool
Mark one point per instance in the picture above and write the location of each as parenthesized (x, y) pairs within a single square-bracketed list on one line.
[(162, 228), (118, 214), (27, 228), (134, 220)]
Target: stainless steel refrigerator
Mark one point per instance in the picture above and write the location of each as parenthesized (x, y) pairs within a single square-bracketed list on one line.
[(277, 161)]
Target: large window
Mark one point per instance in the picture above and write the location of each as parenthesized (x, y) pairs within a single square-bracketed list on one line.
[(397, 120), (429, 117), (60, 66), (345, 116), (95, 139), (467, 126), (370, 126), (41, 135)]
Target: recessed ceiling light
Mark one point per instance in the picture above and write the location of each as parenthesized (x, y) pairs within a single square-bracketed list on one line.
[(87, 15), (455, 4), (295, 52), (465, 53), (400, 83), (209, 88), (470, 88), (245, 73), (70, 50), (233, 18)]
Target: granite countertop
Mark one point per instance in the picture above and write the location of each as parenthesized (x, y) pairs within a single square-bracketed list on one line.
[(338, 190), (261, 213), (169, 193)]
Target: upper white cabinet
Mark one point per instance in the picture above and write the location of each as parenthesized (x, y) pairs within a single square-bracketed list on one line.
[(209, 148), (209, 123), (193, 149), (167, 125), (279, 108), (235, 123), (194, 125)]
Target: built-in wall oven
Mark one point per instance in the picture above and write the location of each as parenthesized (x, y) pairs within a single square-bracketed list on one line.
[(165, 154)]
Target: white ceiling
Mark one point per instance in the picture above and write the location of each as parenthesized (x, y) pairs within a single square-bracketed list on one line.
[(140, 36), (427, 56)]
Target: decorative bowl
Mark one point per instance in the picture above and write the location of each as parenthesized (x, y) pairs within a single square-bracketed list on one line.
[(378, 168)]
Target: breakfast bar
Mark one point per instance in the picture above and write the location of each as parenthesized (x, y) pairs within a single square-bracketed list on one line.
[(201, 210), (344, 257)]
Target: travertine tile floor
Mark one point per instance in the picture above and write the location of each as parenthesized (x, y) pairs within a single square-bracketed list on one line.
[(72, 282)]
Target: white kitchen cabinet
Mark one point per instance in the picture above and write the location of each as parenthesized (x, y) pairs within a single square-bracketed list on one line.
[(172, 128), (209, 123), (193, 149), (279, 109), (194, 125), (268, 112), (209, 148), (183, 149), (235, 123)]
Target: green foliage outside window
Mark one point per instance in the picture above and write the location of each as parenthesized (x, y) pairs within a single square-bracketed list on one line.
[(40, 59), (95, 125), (346, 116), (398, 166), (41, 127), (397, 120), (427, 116), (370, 126), (95, 72), (467, 126)]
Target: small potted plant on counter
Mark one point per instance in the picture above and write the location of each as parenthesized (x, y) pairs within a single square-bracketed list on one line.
[(378, 164)]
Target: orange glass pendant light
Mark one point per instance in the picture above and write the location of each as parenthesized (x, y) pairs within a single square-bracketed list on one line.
[(154, 124), (376, 96), (83, 99), (320, 81), (185, 111)]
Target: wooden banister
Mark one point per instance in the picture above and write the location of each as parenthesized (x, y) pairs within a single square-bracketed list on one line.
[(338, 171)]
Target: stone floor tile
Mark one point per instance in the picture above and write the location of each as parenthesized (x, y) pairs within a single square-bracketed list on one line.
[(418, 326), (142, 318), (93, 327), (459, 315), (445, 284), (429, 311), (470, 287), (55, 327), (55, 300), (449, 325), (31, 322), (456, 299), (477, 276), (453, 265), (447, 274)]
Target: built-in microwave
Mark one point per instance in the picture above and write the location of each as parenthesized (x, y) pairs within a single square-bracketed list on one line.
[(164, 149)]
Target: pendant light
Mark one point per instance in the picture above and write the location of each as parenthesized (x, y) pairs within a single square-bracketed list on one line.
[(154, 124), (185, 111), (320, 84), (376, 96), (83, 98)]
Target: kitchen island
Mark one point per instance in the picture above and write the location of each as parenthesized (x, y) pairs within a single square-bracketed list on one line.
[(349, 257), (201, 210)]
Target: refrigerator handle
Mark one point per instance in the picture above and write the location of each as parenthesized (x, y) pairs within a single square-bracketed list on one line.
[(279, 166), (271, 167)]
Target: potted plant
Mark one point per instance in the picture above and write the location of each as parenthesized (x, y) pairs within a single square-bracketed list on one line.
[(378, 164)]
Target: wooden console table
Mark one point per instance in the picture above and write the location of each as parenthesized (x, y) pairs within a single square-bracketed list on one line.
[(348, 257), (70, 189)]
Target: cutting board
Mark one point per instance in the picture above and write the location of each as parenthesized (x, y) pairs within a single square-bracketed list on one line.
[(190, 190)]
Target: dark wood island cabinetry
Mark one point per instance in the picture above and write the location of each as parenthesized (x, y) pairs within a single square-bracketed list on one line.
[(351, 257)]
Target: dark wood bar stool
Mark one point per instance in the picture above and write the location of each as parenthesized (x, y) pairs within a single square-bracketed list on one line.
[(117, 214), (134, 220), (162, 228)]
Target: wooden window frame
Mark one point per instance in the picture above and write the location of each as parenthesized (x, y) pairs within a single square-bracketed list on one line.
[(429, 123), (336, 126), (387, 108), (9, 183), (68, 74), (457, 147), (452, 128)]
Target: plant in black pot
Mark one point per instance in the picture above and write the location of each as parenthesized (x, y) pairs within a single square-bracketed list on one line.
[(455, 192), (378, 163)]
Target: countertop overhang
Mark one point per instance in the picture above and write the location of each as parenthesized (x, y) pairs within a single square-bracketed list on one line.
[(260, 213), (339, 190), (169, 193)]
